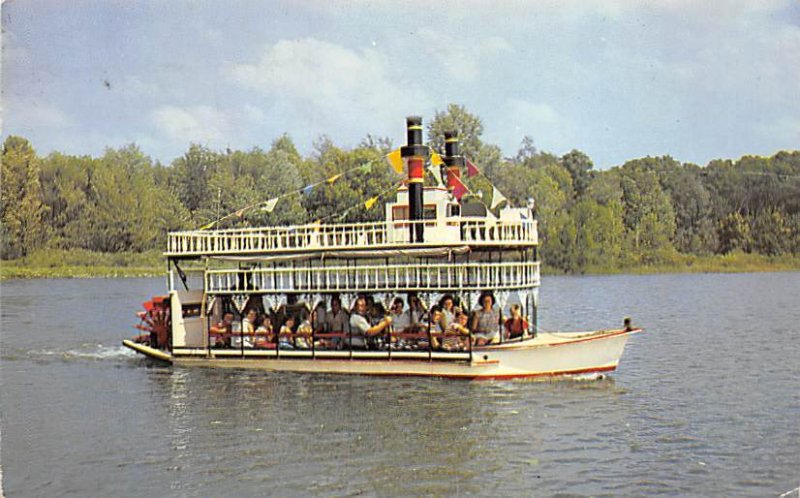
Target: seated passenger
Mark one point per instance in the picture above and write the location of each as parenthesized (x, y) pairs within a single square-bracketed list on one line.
[(360, 328), (415, 310), (437, 316), (223, 329), (456, 335), (304, 334), (337, 322), (264, 333), (448, 312), (517, 325), (377, 313), (319, 318), (485, 322), (286, 335), (248, 330), (401, 322)]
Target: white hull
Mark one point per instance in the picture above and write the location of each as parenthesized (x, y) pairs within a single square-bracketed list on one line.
[(547, 355)]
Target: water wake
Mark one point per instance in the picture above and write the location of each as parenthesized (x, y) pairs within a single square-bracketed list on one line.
[(95, 352)]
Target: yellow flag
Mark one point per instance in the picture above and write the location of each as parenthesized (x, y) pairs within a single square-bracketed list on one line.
[(395, 161), (436, 159), (334, 178), (206, 227), (370, 202)]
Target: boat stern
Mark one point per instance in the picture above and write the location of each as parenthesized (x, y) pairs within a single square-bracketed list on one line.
[(153, 353)]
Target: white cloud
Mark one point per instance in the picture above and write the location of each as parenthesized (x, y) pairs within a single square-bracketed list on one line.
[(253, 113), (330, 85), (461, 58), (200, 123), (32, 115), (134, 86), (550, 130), (527, 113)]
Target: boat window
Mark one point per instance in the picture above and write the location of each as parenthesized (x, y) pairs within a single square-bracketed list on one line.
[(401, 212), (190, 310)]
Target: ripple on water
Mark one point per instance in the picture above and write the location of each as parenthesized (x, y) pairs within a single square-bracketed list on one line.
[(704, 404)]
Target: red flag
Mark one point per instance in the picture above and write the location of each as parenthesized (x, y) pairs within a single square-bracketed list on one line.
[(472, 170), (459, 189)]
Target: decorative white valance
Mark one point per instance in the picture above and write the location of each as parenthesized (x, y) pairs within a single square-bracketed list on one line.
[(523, 299), (473, 299), (502, 298), (240, 300), (210, 300), (346, 298), (272, 301)]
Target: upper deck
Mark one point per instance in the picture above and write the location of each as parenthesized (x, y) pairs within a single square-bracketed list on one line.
[(392, 235)]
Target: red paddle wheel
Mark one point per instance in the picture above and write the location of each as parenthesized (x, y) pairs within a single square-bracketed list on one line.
[(155, 323)]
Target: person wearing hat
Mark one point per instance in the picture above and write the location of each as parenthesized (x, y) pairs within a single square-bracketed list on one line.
[(486, 321)]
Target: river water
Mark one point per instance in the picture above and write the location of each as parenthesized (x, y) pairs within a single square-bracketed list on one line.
[(706, 402)]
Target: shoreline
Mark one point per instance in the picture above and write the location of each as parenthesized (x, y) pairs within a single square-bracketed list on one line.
[(731, 263)]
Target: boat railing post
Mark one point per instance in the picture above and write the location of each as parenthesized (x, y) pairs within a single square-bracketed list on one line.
[(469, 344), (500, 324), (241, 339), (389, 333), (350, 339), (430, 322), (313, 342)]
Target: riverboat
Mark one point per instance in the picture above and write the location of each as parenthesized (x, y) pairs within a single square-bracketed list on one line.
[(434, 246)]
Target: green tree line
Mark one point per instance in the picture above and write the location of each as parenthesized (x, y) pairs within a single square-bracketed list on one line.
[(645, 211)]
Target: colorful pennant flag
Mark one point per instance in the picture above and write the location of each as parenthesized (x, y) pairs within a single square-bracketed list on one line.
[(370, 202), (436, 172), (459, 190), (472, 170), (497, 197), (240, 212), (206, 227), (307, 190), (436, 159), (395, 161), (334, 178), (269, 206)]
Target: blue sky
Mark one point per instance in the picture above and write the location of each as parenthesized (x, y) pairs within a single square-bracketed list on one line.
[(616, 79)]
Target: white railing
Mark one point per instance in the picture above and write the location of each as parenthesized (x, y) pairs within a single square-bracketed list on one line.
[(380, 235), (376, 278)]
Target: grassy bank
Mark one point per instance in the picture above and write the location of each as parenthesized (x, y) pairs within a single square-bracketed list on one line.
[(736, 262), (77, 263), (87, 264)]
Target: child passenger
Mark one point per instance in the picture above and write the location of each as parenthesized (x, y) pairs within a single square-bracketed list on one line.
[(456, 336), (264, 333), (304, 334), (285, 337), (516, 326)]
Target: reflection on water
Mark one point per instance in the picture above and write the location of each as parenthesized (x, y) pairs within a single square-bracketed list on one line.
[(350, 435), (705, 403)]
